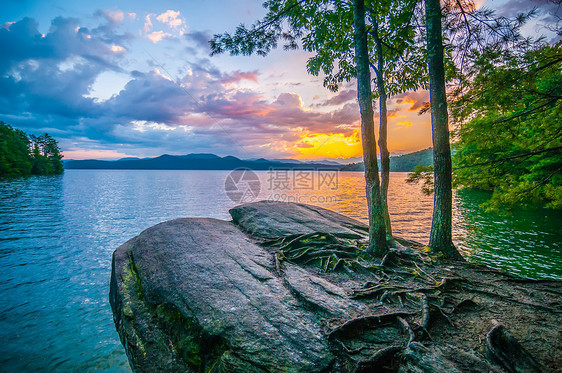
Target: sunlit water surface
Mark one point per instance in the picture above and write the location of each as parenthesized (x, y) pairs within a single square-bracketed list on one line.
[(57, 235)]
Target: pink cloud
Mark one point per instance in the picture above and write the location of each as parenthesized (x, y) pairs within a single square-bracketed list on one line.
[(237, 76), (157, 36), (75, 153), (148, 23), (171, 18), (340, 98)]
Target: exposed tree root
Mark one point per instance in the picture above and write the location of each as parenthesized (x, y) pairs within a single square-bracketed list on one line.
[(509, 352), (367, 321), (425, 303), (381, 361)]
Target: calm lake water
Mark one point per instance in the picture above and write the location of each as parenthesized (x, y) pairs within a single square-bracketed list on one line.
[(57, 235)]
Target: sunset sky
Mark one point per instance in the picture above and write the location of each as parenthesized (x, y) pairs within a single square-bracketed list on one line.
[(114, 79)]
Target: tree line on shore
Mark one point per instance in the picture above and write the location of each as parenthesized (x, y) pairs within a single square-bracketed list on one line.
[(507, 136), (499, 90), (24, 155)]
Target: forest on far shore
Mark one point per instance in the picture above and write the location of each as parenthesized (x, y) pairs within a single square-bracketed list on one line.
[(24, 155)]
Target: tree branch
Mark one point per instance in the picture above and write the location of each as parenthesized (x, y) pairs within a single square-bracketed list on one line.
[(510, 158)]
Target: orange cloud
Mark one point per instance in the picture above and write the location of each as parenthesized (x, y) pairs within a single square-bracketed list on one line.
[(403, 124), (329, 145), (416, 99)]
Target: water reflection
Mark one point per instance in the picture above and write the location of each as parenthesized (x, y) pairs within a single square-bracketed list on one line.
[(410, 209)]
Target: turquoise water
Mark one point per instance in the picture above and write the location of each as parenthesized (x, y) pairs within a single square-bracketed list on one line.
[(527, 243), (57, 235)]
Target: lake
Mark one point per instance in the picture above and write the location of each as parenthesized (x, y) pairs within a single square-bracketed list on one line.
[(57, 235)]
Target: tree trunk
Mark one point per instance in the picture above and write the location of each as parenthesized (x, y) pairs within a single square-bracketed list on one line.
[(441, 226), (377, 231), (383, 124)]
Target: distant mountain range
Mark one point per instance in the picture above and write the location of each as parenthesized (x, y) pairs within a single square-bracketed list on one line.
[(324, 161), (400, 163), (213, 162), (196, 162)]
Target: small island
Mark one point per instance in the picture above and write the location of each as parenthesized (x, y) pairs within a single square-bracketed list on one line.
[(287, 287)]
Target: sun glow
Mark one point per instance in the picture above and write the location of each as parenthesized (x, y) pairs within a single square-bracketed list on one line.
[(329, 145), (404, 124)]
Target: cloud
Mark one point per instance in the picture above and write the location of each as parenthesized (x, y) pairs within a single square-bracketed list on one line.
[(237, 76), (157, 36), (76, 153), (107, 31), (46, 83), (47, 75), (7, 25), (148, 97), (332, 145), (404, 124), (148, 23), (117, 49), (284, 115), (340, 98), (200, 39), (171, 18), (416, 99), (304, 145), (114, 16), (547, 19), (210, 107), (514, 7)]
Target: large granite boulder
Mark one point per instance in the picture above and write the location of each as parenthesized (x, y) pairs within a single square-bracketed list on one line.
[(270, 220), (197, 293), (206, 295)]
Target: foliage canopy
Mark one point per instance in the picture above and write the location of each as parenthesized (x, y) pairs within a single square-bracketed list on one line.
[(22, 155), (509, 127)]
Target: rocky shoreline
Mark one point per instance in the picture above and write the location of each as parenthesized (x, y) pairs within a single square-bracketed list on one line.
[(287, 287)]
